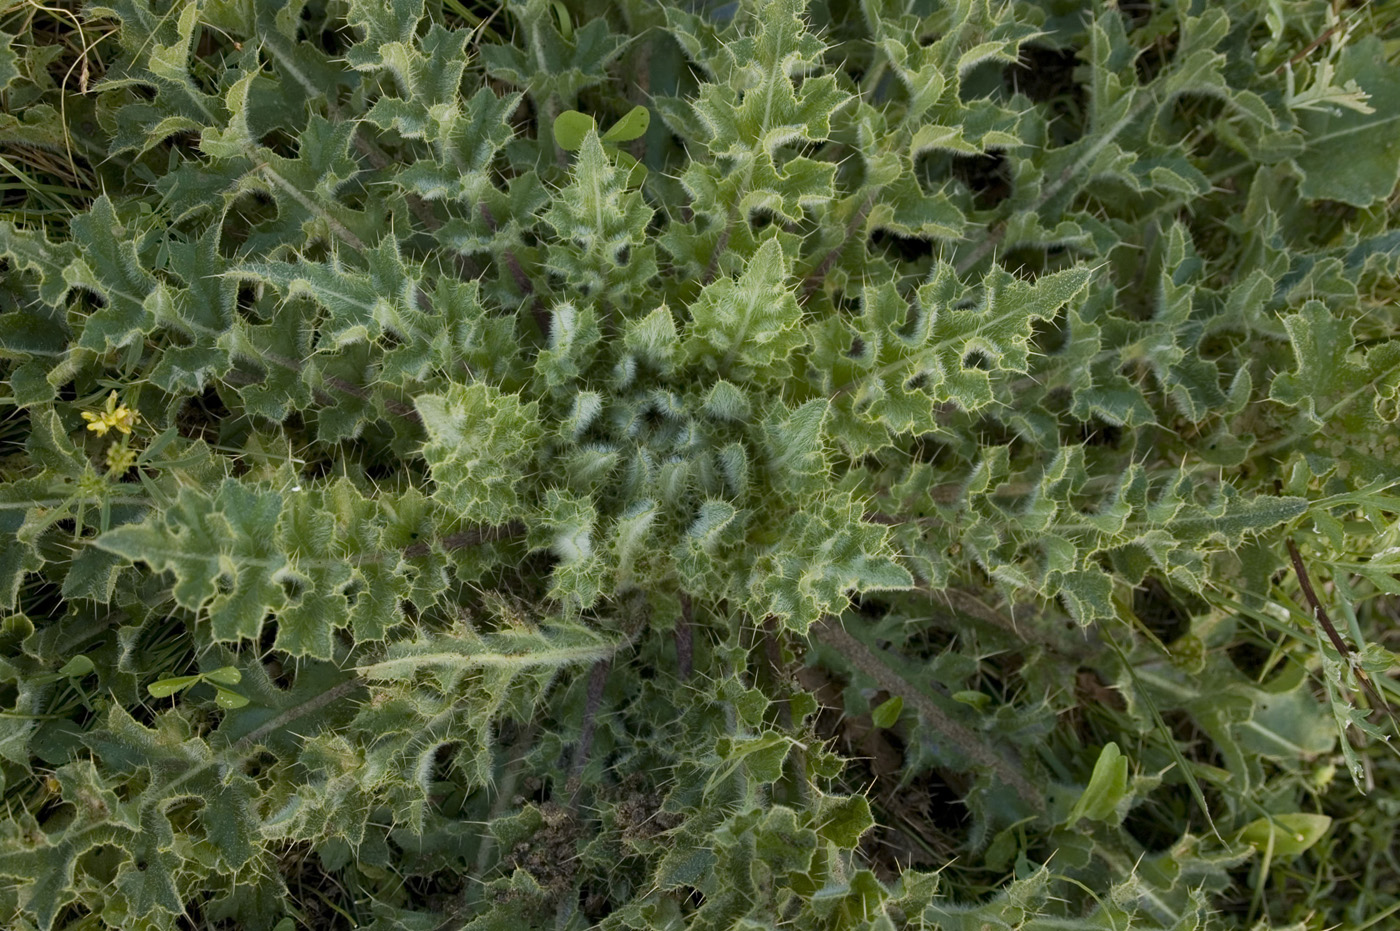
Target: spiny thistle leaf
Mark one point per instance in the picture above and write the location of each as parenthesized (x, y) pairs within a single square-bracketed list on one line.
[(642, 465)]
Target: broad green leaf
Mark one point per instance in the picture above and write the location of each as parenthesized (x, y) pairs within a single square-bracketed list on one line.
[(76, 667), (8, 60), (886, 714), (1350, 156), (1287, 835), (842, 820), (478, 446), (783, 845), (748, 329), (562, 65), (225, 675), (223, 550), (633, 125), (570, 129), (227, 698)]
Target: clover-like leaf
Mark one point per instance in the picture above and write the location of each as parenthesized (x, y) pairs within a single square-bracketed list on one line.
[(1286, 835), (633, 125), (164, 688), (570, 129)]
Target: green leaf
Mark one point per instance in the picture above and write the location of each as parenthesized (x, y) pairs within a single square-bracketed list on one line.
[(1335, 385), (571, 128), (223, 550), (559, 65), (633, 125), (226, 698), (229, 816), (748, 329), (547, 649), (761, 756), (76, 667), (107, 266), (164, 688), (9, 69), (843, 819), (684, 866), (1288, 725), (773, 111), (1108, 786), (783, 845), (561, 13), (887, 713), (225, 675), (751, 704), (479, 444), (603, 249), (1087, 594), (824, 551), (1287, 835), (1350, 156)]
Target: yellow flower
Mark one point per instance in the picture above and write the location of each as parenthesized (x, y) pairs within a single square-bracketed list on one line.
[(96, 423), (113, 415), (124, 419)]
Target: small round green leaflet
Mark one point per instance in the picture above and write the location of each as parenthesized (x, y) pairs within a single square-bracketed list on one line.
[(886, 714), (225, 675), (77, 666), (164, 688), (225, 698), (570, 129), (632, 126), (1286, 835), (976, 699), (636, 171)]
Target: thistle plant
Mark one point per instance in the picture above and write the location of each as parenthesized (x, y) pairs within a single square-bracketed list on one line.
[(606, 463)]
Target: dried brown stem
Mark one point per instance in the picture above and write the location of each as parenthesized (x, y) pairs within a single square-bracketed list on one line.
[(597, 682), (685, 644), (818, 275), (1311, 47), (773, 653), (971, 744), (1325, 621), (517, 274)]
